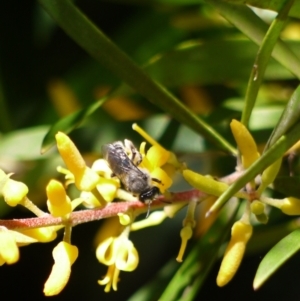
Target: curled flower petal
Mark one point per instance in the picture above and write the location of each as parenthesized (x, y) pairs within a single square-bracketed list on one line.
[(102, 168), (9, 250), (157, 155), (64, 256), (240, 234), (160, 174), (127, 257), (108, 188), (106, 251)]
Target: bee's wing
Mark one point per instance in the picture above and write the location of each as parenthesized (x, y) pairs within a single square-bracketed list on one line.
[(119, 162)]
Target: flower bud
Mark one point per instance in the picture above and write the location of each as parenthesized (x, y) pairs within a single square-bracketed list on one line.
[(245, 142), (240, 234), (14, 192), (269, 175), (290, 206), (59, 204), (257, 207), (206, 184), (85, 178)]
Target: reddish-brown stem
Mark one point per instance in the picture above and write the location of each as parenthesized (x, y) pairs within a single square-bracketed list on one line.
[(84, 216)]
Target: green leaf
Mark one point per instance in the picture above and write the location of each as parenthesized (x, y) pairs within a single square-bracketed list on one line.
[(276, 257), (289, 117), (260, 64), (22, 144)]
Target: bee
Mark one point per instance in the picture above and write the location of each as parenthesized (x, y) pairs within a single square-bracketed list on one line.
[(123, 160)]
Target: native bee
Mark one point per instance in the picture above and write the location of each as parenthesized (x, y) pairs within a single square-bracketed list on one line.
[(123, 160)]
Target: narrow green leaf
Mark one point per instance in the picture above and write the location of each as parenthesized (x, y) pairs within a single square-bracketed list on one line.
[(264, 53), (289, 117), (276, 257)]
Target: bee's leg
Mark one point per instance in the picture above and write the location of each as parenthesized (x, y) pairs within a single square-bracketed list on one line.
[(157, 181), (134, 155)]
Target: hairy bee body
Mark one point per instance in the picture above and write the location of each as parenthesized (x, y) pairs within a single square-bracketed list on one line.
[(125, 167)]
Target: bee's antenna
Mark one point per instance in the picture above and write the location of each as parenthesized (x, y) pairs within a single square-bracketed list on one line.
[(149, 207)]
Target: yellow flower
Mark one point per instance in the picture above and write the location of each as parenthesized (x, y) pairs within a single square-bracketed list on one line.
[(119, 254), (64, 255), (9, 251), (157, 161), (106, 186)]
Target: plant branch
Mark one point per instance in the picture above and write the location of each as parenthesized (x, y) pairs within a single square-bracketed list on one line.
[(84, 216)]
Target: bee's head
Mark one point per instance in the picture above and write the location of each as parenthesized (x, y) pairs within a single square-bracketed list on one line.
[(149, 194)]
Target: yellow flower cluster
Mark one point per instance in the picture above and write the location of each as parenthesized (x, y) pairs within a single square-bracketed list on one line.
[(256, 202), (97, 187), (14, 193)]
